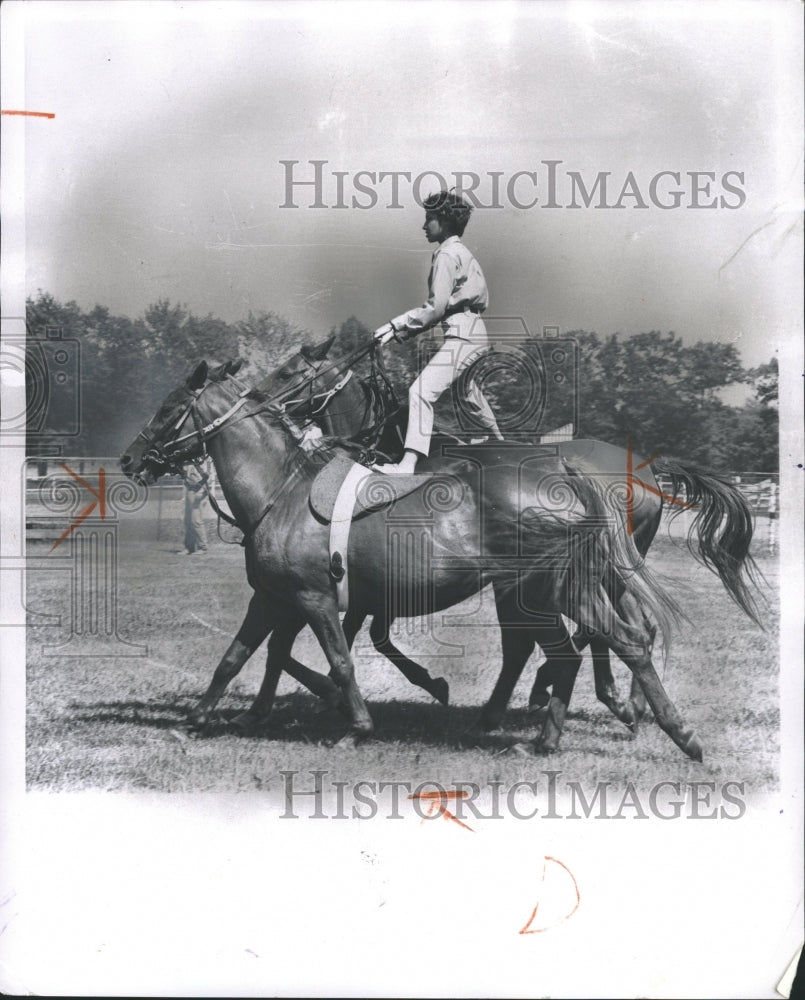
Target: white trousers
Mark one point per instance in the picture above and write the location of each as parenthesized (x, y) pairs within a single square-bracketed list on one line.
[(452, 358)]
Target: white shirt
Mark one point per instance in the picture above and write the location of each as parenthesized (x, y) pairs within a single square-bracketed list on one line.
[(456, 284)]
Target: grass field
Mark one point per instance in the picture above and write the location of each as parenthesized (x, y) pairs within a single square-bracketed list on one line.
[(114, 723)]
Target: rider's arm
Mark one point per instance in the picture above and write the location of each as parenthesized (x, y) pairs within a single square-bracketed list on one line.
[(440, 288)]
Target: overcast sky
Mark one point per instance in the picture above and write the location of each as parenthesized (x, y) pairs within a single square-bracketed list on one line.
[(160, 175)]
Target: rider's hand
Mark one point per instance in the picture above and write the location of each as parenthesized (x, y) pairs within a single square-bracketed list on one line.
[(311, 438), (384, 334)]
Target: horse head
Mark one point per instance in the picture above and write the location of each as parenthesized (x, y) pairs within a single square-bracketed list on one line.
[(295, 375), (171, 436), (313, 387)]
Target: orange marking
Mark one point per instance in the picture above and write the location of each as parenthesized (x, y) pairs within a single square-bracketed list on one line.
[(30, 114), (648, 461), (631, 479), (527, 928), (436, 800), (100, 499)]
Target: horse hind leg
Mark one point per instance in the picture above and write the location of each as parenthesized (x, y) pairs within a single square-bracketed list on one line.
[(638, 659), (565, 660), (605, 688), (437, 687), (547, 674), (540, 695), (637, 696)]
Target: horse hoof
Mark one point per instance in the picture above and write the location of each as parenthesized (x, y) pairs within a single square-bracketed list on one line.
[(693, 749), (538, 700), (626, 716), (441, 691), (486, 725), (544, 749), (521, 750), (245, 723), (351, 739), (347, 742), (198, 718), (638, 711)]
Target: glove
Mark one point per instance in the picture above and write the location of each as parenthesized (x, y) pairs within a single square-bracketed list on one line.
[(384, 334)]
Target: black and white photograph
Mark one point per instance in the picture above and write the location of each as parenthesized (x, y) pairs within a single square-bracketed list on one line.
[(402, 498)]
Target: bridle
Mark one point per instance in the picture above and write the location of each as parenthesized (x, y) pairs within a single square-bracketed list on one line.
[(326, 395), (379, 391), (171, 454)]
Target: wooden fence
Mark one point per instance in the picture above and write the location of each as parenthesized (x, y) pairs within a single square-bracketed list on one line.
[(161, 516)]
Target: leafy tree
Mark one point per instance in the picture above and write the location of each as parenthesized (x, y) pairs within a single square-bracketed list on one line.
[(765, 380), (650, 388), (264, 340)]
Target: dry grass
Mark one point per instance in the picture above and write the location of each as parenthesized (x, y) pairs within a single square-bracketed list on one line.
[(117, 723)]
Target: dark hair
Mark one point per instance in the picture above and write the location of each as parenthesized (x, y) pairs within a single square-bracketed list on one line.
[(451, 207)]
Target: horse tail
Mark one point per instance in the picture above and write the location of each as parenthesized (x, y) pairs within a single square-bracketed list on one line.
[(606, 563), (722, 529)]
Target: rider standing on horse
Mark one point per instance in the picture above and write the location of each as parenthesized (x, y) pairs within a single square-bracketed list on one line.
[(457, 295)]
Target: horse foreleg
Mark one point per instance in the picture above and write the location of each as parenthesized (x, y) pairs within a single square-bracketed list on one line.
[(517, 645), (379, 633), (351, 625), (322, 614), (278, 659), (255, 627), (317, 683)]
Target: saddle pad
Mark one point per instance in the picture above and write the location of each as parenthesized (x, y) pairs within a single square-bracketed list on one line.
[(376, 491)]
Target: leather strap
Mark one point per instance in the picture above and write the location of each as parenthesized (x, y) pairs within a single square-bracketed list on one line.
[(339, 530)]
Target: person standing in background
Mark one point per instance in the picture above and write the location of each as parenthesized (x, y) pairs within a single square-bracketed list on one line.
[(197, 485)]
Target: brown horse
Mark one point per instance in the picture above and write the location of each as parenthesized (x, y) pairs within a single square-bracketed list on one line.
[(546, 539), (359, 409)]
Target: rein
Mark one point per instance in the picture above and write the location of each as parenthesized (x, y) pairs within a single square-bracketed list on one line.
[(171, 455), (326, 395), (281, 398)]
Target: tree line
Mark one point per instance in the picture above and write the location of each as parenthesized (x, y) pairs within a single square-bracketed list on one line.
[(652, 388)]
